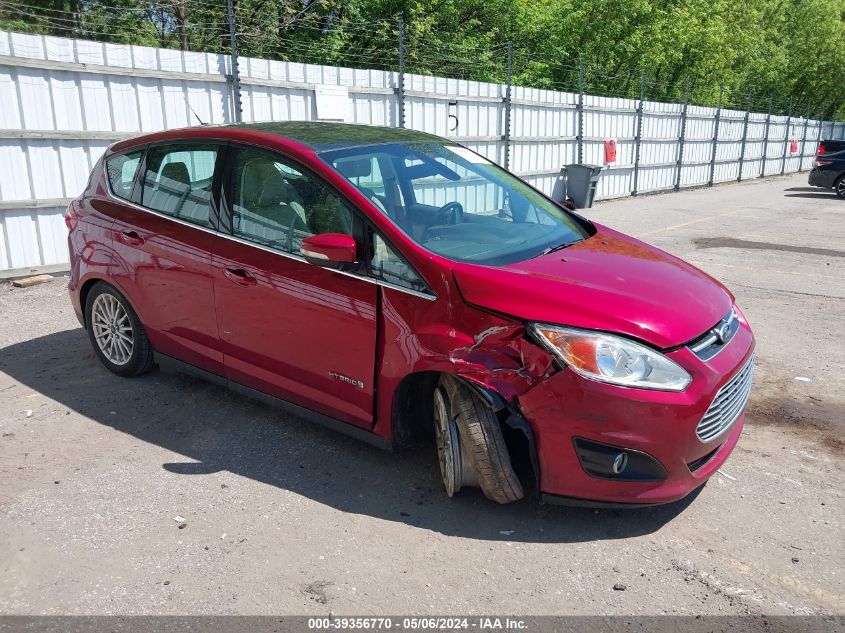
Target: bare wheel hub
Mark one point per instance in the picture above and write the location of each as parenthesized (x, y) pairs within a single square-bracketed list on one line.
[(455, 466)]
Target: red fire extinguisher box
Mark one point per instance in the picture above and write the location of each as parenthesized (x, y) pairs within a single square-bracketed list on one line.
[(609, 151)]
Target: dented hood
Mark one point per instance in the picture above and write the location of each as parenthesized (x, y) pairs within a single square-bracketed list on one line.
[(608, 282)]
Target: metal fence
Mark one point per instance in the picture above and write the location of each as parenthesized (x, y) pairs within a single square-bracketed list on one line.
[(64, 101)]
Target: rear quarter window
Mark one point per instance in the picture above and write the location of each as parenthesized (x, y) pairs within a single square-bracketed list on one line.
[(121, 170)]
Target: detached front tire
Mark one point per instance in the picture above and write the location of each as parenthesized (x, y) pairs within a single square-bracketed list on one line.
[(470, 446), (117, 336)]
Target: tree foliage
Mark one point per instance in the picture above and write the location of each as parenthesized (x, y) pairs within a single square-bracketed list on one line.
[(738, 53)]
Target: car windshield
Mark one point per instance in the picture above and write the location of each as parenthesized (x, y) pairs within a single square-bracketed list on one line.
[(456, 203)]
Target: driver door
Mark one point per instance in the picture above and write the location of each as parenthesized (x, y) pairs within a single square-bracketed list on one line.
[(288, 328)]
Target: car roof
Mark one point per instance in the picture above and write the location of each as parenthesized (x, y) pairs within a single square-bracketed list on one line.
[(321, 136)]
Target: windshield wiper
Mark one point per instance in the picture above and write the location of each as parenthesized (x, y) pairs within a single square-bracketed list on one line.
[(552, 249)]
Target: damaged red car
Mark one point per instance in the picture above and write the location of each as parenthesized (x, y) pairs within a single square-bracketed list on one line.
[(398, 286)]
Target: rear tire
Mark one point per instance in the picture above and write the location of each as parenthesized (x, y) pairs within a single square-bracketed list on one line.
[(839, 186), (483, 458), (117, 336)]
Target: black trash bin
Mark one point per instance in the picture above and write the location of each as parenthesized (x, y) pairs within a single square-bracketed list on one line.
[(581, 183)]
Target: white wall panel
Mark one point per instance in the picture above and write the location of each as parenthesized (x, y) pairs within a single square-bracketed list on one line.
[(45, 169), (14, 171), (45, 104), (22, 236), (53, 235)]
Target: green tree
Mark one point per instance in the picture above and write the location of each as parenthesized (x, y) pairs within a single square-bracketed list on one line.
[(779, 50)]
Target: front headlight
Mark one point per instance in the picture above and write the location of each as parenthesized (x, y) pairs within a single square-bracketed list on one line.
[(612, 359)]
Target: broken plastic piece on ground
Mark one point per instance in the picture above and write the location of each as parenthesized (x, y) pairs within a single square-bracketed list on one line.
[(724, 474)]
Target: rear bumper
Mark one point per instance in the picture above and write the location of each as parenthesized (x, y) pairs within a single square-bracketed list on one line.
[(73, 293), (819, 178), (77, 310), (566, 409)]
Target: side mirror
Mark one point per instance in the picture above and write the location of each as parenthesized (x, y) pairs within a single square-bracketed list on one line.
[(329, 250)]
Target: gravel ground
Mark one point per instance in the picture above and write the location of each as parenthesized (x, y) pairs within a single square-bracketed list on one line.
[(284, 517)]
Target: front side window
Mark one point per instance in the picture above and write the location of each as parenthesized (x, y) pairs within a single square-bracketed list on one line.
[(277, 205), (177, 181), (120, 170), (456, 203), (386, 264)]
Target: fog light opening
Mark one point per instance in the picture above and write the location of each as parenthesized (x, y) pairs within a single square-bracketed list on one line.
[(617, 462), (620, 462)]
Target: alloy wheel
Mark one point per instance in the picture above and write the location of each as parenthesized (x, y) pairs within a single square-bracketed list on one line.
[(112, 329), (455, 464), (448, 444)]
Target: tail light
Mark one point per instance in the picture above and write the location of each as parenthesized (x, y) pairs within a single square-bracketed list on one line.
[(71, 217), (821, 149), (820, 163)]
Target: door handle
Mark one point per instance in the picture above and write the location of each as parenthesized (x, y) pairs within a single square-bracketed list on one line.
[(240, 276), (131, 237)]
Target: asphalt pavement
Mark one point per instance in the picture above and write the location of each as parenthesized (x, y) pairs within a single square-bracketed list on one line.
[(167, 495)]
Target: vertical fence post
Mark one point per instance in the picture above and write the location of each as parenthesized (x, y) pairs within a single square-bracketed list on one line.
[(716, 137), (819, 134), (638, 136), (508, 89), (766, 140), (400, 89), (786, 137), (682, 138), (235, 76), (744, 138), (580, 110), (804, 136)]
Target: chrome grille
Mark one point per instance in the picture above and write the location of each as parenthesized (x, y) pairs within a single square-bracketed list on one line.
[(715, 339), (728, 404)]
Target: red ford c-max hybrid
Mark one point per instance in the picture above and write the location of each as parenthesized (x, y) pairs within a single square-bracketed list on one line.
[(389, 283)]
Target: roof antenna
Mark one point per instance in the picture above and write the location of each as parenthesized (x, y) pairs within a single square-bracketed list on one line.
[(188, 103)]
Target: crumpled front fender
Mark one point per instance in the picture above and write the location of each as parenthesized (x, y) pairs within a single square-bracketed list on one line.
[(485, 349)]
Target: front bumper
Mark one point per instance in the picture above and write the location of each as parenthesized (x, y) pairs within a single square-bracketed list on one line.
[(567, 408)]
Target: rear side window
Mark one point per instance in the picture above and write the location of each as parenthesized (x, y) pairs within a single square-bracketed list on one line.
[(177, 181), (120, 170)]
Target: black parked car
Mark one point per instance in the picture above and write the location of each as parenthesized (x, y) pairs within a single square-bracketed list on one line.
[(829, 172), (831, 147)]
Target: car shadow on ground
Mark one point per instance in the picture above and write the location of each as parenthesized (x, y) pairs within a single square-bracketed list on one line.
[(222, 431), (809, 192)]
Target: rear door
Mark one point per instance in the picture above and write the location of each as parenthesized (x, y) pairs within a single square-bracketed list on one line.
[(288, 328), (164, 239)]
